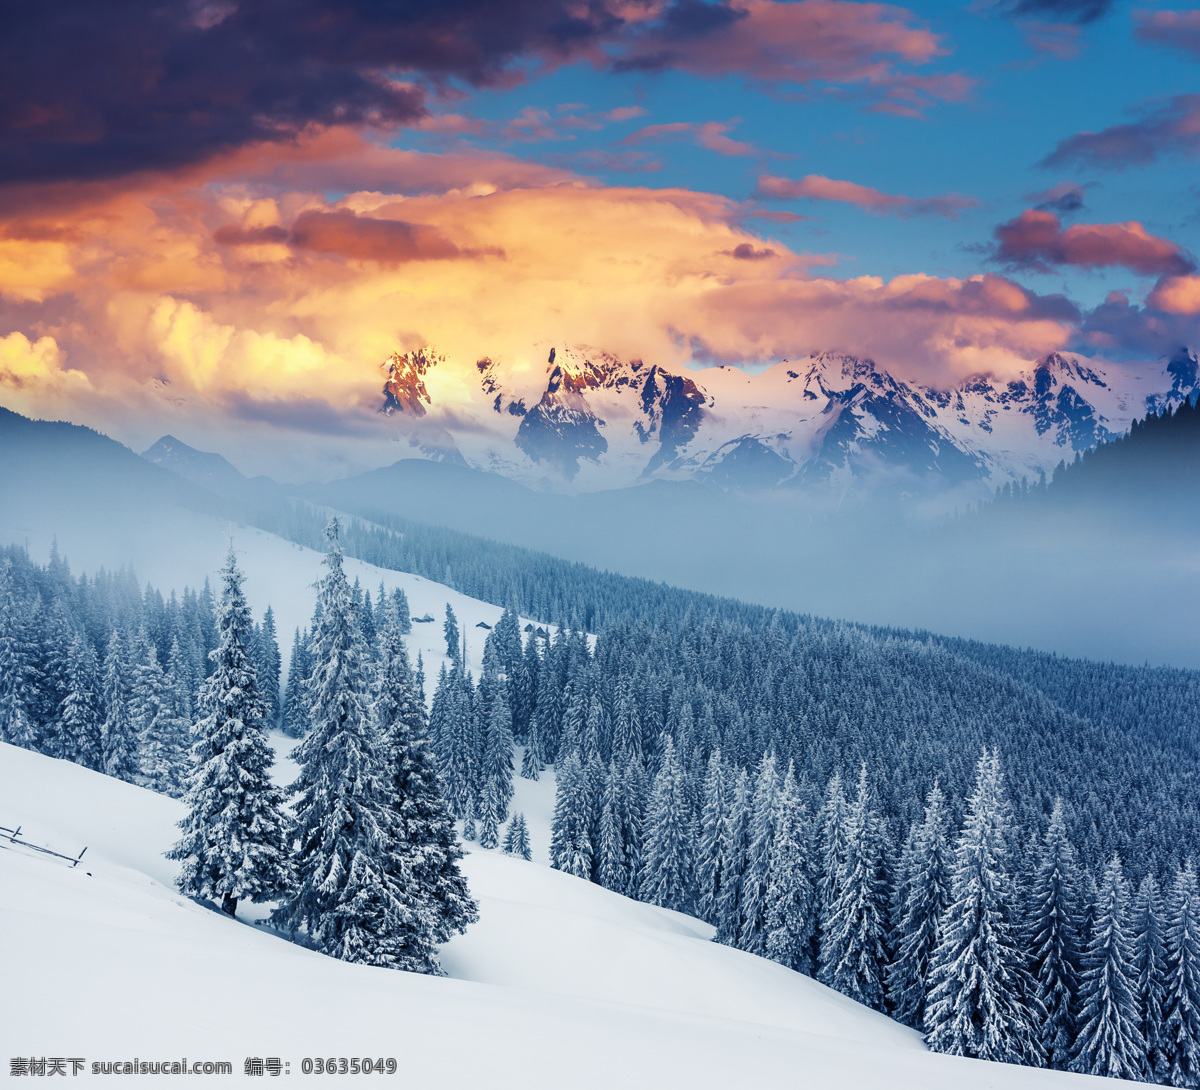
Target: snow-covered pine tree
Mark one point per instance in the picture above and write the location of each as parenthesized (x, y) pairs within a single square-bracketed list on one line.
[(532, 759), (791, 917), (667, 863), (708, 856), (833, 819), (234, 843), (926, 897), (735, 840), (516, 838), (1149, 965), (351, 893), (751, 933), (979, 992), (453, 638), (571, 847), (118, 735), (853, 951), (17, 672), (1182, 1009), (1109, 1043), (1054, 940), (630, 809), (161, 753), (295, 713), (613, 870), (269, 667), (497, 770), (431, 888), (79, 716)]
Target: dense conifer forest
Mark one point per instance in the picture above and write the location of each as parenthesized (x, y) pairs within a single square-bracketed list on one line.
[(897, 814)]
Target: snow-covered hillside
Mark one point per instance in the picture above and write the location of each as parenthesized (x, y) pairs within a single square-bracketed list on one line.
[(560, 984), (184, 548), (580, 420)]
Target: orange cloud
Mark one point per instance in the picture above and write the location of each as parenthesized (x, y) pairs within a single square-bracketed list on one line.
[(817, 187), (1036, 240), (1176, 295), (250, 300)]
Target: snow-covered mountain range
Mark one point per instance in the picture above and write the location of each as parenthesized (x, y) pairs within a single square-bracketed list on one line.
[(590, 420)]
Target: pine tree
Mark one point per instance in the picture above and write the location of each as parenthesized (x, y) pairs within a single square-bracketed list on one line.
[(532, 760), (1182, 1021), (979, 992), (295, 713), (666, 877), (735, 841), (161, 753), (834, 819), (269, 667), (80, 719), (708, 859), (1055, 941), (751, 935), (17, 673), (1109, 1043), (497, 770), (791, 903), (453, 639), (926, 898), (516, 838), (118, 736), (853, 955), (613, 870), (571, 847), (1149, 964), (234, 838), (352, 895), (434, 895)]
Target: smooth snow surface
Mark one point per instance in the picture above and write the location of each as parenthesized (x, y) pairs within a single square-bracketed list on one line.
[(560, 985)]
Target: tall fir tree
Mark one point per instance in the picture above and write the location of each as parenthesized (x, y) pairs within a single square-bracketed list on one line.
[(853, 951), (516, 838), (735, 841), (708, 853), (834, 821), (571, 847), (295, 711), (436, 903), (80, 718), (1054, 941), (118, 735), (756, 875), (667, 861), (1108, 1042), (980, 996), (497, 770), (350, 894), (17, 670), (791, 903), (926, 898), (1149, 965), (1182, 1009), (269, 668), (234, 843)]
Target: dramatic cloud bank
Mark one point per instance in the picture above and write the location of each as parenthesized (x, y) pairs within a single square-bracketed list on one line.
[(1036, 240)]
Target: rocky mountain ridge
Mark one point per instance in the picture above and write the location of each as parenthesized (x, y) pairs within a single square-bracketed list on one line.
[(590, 420)]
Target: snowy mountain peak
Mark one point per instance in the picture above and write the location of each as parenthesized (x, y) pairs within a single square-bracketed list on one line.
[(404, 391), (586, 419)]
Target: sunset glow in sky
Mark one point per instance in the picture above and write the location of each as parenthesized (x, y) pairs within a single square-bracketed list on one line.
[(227, 216)]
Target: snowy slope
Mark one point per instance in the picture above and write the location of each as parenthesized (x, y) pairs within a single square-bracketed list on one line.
[(561, 984), (183, 549)]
